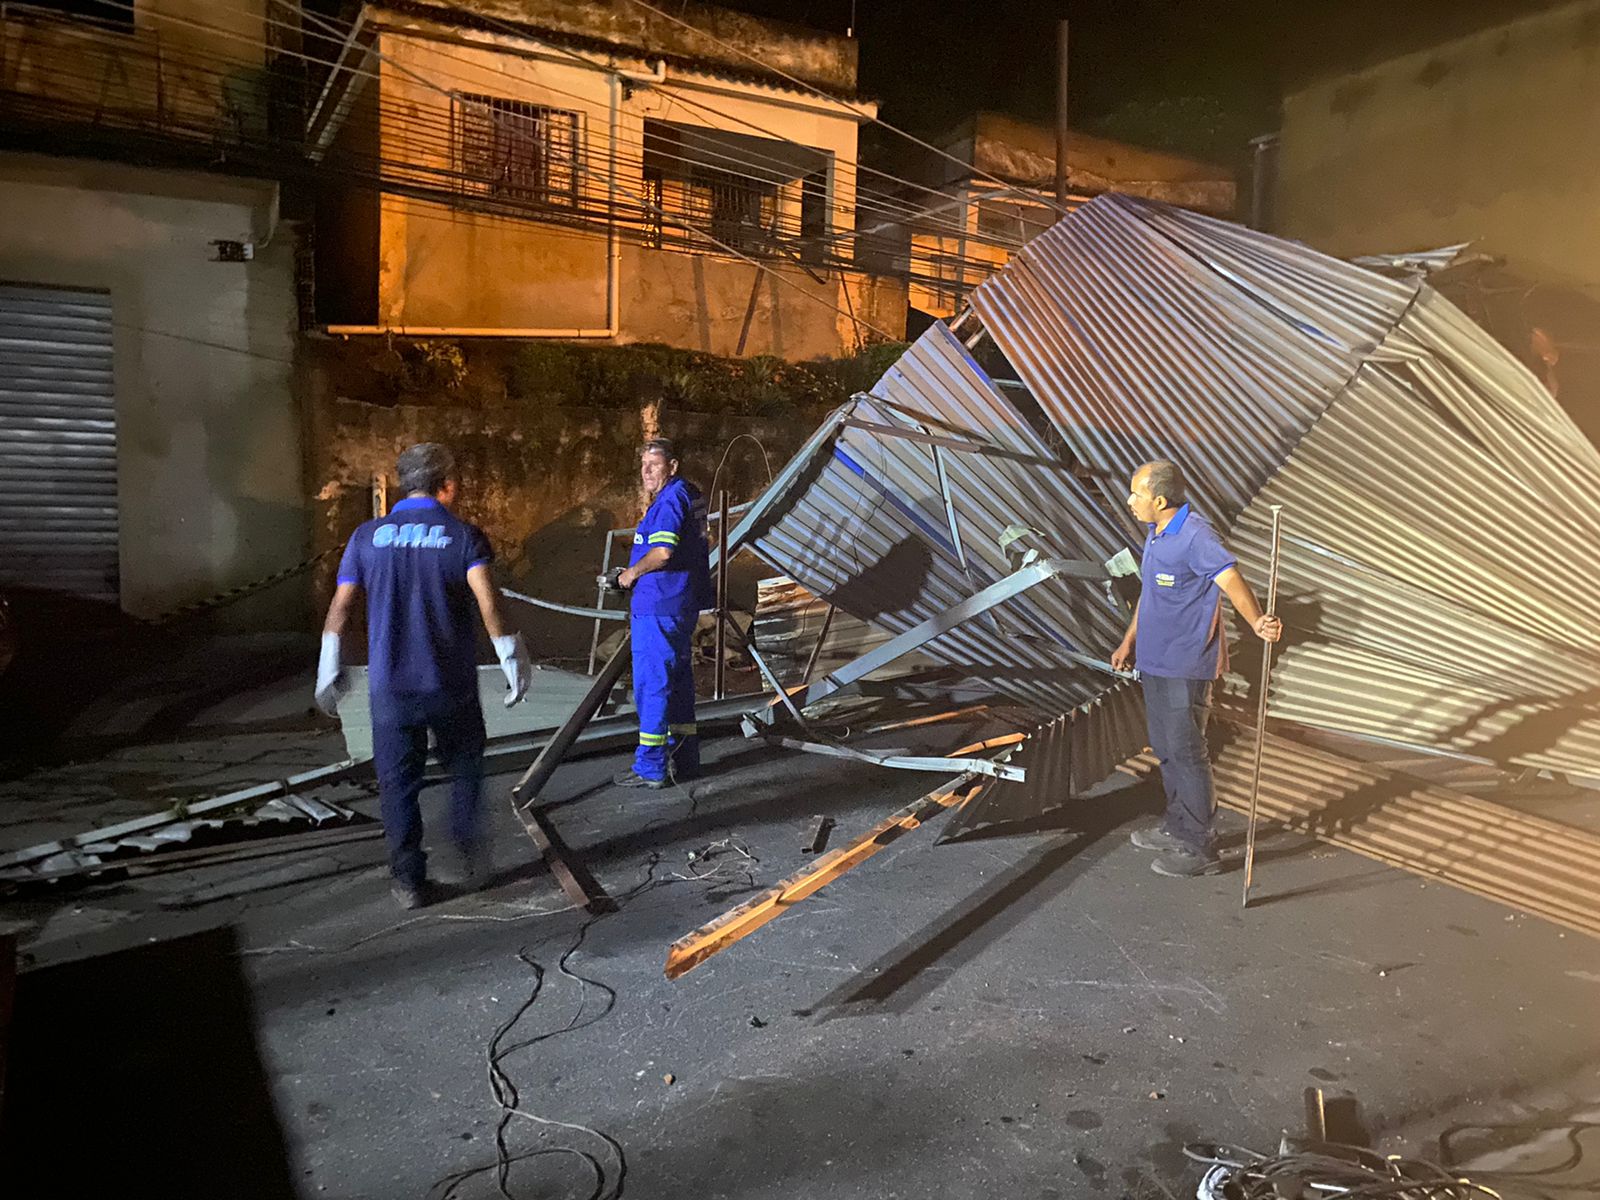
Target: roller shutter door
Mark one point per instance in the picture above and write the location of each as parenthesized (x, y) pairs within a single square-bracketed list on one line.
[(58, 442)]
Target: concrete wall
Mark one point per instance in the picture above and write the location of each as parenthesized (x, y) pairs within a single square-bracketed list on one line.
[(190, 63), (443, 266), (545, 483), (210, 471), (1490, 138), (824, 60)]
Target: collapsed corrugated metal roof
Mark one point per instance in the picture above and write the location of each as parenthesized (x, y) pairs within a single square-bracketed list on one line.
[(1441, 514)]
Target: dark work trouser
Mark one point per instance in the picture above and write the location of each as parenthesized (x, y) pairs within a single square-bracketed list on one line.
[(1176, 712), (400, 725)]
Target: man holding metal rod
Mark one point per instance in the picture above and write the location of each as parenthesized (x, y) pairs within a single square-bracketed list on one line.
[(1176, 640), (669, 576)]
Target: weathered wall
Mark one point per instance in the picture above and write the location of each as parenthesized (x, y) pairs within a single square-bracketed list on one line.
[(208, 441), (195, 63), (1490, 138), (545, 482), (1025, 151), (443, 267), (825, 60), (699, 301)]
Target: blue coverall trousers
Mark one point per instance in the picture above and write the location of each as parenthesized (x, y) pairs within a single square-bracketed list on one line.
[(400, 726), (663, 693)]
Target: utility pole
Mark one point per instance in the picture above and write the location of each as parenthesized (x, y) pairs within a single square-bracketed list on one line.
[(1061, 116)]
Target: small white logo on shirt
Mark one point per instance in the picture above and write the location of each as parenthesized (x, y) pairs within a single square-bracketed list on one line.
[(421, 536), (1165, 580), (638, 539)]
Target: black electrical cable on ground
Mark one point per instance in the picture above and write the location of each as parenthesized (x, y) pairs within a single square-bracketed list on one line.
[(607, 1161), (1533, 1181), (1327, 1169)]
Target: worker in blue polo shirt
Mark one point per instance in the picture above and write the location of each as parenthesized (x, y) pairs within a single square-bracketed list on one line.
[(426, 577), (1178, 643), (669, 577)]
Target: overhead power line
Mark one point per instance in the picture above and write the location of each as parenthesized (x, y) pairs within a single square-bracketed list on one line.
[(436, 135)]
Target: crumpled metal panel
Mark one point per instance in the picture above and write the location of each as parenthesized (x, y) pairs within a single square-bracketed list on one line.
[(1064, 757), (1149, 332), (861, 518), (1440, 579), (1441, 554)]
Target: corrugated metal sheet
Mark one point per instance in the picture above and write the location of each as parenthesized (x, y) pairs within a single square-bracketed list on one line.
[(1149, 332), (1064, 757), (1441, 565), (861, 518), (285, 801), (58, 442), (1440, 579), (1441, 570), (1536, 865)]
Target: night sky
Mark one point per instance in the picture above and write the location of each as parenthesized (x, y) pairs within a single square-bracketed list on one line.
[(1196, 76), (1191, 75)]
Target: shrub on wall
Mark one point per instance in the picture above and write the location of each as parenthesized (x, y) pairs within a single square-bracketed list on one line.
[(546, 376)]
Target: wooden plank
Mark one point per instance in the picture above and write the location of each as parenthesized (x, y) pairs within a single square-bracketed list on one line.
[(694, 948)]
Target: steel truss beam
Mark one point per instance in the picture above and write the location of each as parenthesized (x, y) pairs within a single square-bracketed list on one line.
[(921, 634)]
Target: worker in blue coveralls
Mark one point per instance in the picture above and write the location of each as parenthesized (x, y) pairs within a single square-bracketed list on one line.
[(669, 576), (426, 577), (1177, 641)]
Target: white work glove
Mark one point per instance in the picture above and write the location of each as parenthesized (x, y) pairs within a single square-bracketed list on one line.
[(514, 661), (333, 682)]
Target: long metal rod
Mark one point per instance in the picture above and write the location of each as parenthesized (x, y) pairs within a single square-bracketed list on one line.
[(580, 886), (599, 603), (538, 774), (816, 649), (964, 445), (719, 668), (909, 762), (1063, 134), (1261, 708)]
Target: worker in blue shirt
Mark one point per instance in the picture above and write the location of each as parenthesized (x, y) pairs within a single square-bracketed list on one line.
[(1177, 641), (669, 576), (426, 577)]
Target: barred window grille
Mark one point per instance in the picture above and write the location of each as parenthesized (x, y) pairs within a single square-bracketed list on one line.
[(512, 149), (740, 212)]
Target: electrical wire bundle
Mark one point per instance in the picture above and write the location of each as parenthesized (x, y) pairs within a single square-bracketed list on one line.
[(600, 1153), (1311, 1170)]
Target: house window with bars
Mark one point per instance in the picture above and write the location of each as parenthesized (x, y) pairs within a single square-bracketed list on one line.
[(516, 150), (739, 213)]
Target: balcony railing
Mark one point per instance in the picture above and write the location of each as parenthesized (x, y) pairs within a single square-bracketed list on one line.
[(68, 77)]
